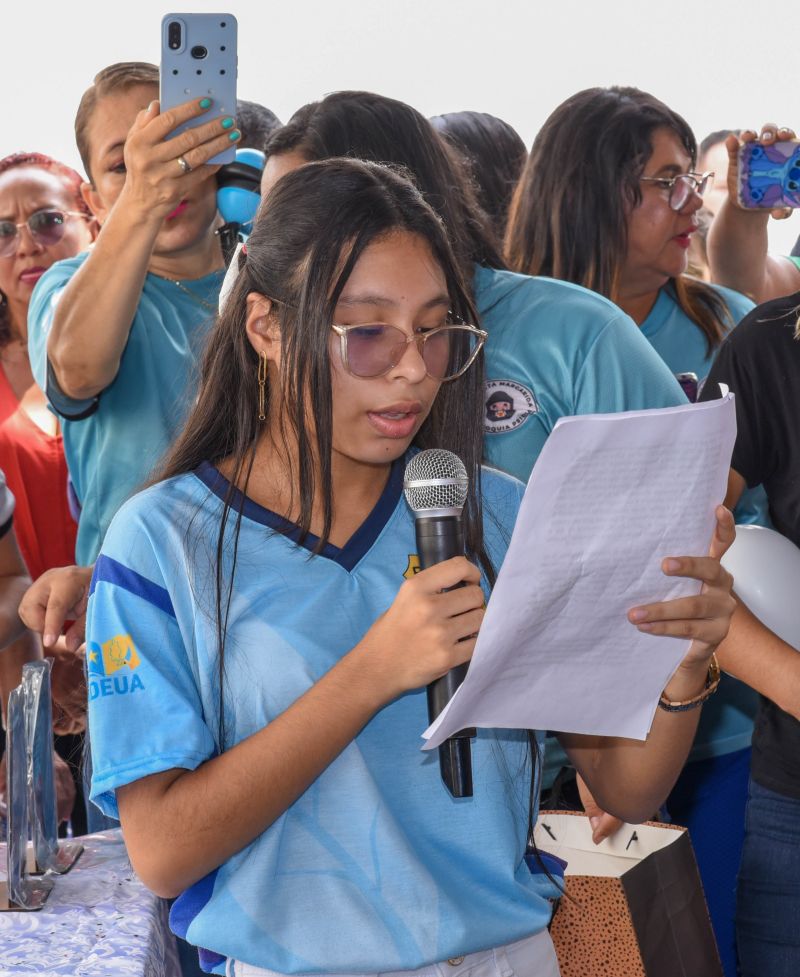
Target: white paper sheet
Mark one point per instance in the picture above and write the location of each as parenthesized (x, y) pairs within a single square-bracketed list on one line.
[(610, 496)]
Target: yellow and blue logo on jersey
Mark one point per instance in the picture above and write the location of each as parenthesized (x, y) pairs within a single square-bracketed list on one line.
[(111, 667), (413, 567)]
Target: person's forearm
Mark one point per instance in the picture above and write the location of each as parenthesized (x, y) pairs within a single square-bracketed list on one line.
[(738, 249), (25, 649), (631, 779), (192, 822), (12, 590), (94, 315), (760, 659)]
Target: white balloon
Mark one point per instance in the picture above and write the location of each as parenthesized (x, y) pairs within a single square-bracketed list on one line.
[(766, 572)]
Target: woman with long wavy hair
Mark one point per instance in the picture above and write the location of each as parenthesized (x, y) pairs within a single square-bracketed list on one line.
[(609, 200)]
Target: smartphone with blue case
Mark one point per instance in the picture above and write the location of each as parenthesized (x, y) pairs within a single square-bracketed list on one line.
[(198, 60), (769, 174)]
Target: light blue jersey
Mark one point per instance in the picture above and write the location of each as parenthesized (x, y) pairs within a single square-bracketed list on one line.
[(113, 441), (375, 867)]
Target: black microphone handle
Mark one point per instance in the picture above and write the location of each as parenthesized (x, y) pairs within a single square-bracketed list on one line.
[(440, 538)]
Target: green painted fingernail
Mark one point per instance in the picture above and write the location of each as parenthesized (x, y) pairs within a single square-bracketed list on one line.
[(205, 103), (235, 135), (227, 123)]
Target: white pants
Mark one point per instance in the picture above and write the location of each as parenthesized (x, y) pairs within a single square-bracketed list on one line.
[(532, 957)]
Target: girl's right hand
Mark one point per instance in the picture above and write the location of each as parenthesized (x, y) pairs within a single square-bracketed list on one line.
[(770, 133), (428, 630), (155, 180)]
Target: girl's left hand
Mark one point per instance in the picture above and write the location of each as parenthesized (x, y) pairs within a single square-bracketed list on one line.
[(704, 618)]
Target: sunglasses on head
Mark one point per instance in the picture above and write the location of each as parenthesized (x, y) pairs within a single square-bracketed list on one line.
[(46, 227)]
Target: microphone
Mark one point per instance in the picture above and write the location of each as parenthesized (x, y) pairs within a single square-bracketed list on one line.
[(435, 487)]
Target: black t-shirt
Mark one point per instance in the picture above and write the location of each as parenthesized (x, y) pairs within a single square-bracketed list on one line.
[(760, 362)]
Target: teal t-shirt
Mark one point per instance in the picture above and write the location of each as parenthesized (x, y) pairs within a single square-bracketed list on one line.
[(682, 346), (113, 441), (679, 342), (726, 724), (556, 349)]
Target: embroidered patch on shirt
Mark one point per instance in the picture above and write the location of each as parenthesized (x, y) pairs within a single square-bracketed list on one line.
[(508, 404)]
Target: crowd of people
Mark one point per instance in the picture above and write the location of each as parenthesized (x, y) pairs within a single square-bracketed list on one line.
[(209, 523)]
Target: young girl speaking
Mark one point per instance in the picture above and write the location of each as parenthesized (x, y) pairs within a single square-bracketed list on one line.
[(257, 662)]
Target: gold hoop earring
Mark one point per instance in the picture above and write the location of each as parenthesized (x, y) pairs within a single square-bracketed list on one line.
[(262, 384)]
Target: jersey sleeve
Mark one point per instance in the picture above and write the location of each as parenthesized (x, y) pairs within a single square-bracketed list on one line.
[(41, 311), (753, 454), (145, 711), (623, 372)]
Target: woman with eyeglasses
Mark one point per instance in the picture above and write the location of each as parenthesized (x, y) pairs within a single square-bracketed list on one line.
[(43, 220), (609, 200), (259, 659)]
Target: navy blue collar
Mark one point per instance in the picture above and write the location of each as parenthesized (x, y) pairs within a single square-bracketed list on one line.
[(349, 555)]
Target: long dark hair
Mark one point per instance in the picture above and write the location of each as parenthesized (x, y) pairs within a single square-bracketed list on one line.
[(372, 127), (495, 156), (307, 237), (569, 215)]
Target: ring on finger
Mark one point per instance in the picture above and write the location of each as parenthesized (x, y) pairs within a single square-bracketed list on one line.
[(185, 165)]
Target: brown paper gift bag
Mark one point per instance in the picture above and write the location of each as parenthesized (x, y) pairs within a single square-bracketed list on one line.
[(636, 906)]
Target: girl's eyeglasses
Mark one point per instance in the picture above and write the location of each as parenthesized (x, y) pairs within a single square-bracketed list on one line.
[(681, 187), (373, 350), (47, 227)]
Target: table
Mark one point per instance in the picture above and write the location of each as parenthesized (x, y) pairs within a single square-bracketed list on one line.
[(99, 921)]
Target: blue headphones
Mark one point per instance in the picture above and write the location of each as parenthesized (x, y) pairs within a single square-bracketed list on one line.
[(239, 190)]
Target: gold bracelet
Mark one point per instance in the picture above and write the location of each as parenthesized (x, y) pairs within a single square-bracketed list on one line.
[(712, 683)]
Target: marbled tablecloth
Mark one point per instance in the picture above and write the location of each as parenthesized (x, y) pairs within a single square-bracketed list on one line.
[(99, 921)]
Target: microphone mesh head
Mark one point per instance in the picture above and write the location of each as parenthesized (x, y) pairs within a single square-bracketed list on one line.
[(435, 479)]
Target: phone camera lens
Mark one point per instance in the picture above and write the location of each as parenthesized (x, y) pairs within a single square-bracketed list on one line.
[(174, 36), (199, 52)]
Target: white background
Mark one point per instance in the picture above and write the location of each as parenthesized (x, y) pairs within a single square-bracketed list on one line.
[(729, 64)]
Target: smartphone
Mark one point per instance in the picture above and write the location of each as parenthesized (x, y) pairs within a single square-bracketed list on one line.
[(198, 60), (769, 174)]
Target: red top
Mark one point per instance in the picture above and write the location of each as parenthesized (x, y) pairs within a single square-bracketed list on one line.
[(8, 399), (36, 472)]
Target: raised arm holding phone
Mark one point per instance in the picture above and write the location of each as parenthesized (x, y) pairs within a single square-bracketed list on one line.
[(114, 335), (156, 201), (738, 244)]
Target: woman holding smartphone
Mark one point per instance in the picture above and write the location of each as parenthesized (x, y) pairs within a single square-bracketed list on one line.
[(114, 334), (260, 660)]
